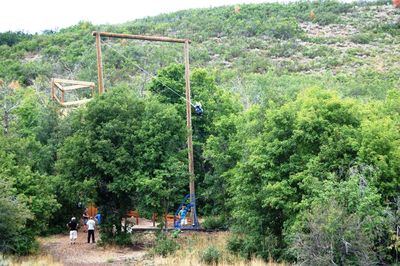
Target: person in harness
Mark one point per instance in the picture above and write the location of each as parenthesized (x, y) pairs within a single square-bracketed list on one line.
[(198, 108)]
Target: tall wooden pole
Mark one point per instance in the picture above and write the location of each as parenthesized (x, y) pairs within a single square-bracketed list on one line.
[(189, 128), (53, 90), (99, 64)]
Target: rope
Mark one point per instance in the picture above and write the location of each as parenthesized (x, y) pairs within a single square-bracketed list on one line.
[(148, 73)]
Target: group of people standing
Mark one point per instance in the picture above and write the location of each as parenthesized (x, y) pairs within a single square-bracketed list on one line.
[(89, 225)]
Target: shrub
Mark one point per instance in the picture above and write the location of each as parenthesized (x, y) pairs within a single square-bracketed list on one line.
[(333, 235), (283, 28), (11, 38), (327, 18), (283, 49), (165, 245), (390, 28), (210, 256), (214, 222), (123, 239), (246, 246), (362, 38), (318, 51)]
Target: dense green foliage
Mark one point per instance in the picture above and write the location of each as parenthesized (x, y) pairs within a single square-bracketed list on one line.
[(133, 160), (297, 151), (307, 151), (26, 167)]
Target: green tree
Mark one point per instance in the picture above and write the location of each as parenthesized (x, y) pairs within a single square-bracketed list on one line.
[(169, 85), (129, 153), (25, 162), (344, 223), (300, 144), (14, 215)]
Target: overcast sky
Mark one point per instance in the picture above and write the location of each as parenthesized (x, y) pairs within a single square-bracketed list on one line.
[(38, 15)]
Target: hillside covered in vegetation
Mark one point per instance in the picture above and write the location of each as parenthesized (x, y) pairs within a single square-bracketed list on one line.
[(297, 152)]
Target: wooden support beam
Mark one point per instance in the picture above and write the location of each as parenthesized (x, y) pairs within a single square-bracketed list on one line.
[(139, 37), (56, 98), (99, 64), (58, 85), (62, 97), (74, 87), (75, 103), (75, 82), (53, 89), (189, 128)]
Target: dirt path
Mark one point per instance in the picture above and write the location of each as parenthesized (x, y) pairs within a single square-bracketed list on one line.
[(82, 253)]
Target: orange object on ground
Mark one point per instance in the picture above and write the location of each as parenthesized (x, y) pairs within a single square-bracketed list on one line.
[(134, 214)]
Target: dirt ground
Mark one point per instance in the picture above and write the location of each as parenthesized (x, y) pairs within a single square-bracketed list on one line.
[(82, 253), (59, 249)]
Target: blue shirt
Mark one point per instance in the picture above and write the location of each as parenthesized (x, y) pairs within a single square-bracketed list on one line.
[(98, 218)]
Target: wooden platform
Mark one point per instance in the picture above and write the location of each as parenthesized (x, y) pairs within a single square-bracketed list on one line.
[(61, 86)]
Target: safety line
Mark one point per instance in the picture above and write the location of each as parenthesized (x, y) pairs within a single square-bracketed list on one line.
[(148, 73)]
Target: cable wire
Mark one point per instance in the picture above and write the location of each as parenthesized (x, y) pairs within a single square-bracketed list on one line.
[(148, 73)]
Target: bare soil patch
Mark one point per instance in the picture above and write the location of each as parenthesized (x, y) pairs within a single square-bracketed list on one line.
[(82, 253)]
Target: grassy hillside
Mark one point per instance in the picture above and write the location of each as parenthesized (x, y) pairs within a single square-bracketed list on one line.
[(247, 46)]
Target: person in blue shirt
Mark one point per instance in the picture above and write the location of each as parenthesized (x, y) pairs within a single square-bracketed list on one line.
[(182, 215), (98, 218)]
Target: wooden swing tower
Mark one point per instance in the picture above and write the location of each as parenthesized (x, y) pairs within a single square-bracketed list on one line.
[(186, 43)]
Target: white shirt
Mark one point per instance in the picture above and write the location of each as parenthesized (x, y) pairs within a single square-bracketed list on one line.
[(91, 223)]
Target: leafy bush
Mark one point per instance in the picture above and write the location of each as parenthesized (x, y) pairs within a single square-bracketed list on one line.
[(362, 38), (214, 222), (165, 245), (284, 49), (210, 256), (327, 18), (246, 246), (11, 38), (390, 28), (123, 239), (318, 51), (333, 235), (14, 215), (282, 28), (25, 243)]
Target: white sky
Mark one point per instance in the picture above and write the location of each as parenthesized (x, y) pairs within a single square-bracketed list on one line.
[(38, 15)]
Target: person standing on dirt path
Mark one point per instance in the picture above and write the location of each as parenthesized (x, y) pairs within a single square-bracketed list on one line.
[(73, 233), (85, 218), (91, 225)]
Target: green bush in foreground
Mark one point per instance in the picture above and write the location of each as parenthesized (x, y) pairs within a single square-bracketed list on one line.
[(211, 255), (165, 245)]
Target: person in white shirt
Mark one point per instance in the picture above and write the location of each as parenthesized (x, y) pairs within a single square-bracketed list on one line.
[(91, 225)]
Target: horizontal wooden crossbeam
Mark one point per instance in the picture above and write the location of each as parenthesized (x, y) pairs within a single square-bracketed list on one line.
[(75, 82), (75, 103), (75, 87), (140, 37)]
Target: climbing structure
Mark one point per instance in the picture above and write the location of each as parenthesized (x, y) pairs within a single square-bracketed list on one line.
[(192, 221), (189, 104), (59, 87)]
